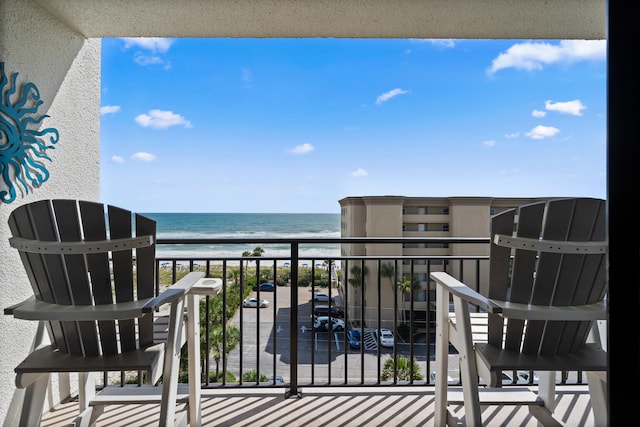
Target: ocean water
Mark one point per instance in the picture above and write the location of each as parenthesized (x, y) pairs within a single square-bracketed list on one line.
[(244, 225)]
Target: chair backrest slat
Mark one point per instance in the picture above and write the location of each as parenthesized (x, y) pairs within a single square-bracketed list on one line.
[(529, 224), (499, 274), (120, 226), (550, 278), (145, 283), (94, 227)]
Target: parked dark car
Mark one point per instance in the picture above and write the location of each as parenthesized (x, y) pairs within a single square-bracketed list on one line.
[(323, 310), (353, 336), (322, 297), (268, 287)]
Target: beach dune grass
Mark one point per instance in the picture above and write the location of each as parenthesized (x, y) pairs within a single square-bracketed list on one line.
[(215, 270)]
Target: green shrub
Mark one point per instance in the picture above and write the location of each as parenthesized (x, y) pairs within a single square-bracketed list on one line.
[(252, 375)]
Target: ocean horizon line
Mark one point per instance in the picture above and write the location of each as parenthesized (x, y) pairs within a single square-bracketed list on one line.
[(239, 213)]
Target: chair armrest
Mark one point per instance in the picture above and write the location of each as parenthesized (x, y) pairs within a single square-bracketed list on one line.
[(9, 310), (175, 291), (32, 309), (595, 311), (459, 289)]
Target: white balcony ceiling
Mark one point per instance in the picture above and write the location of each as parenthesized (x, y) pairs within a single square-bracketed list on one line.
[(483, 19)]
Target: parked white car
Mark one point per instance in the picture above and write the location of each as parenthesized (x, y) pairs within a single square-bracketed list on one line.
[(321, 324), (253, 302), (386, 338)]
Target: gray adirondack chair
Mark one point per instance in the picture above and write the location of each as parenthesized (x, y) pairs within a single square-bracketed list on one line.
[(545, 291), (97, 300)]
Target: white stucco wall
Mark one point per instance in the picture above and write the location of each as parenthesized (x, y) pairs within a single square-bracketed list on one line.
[(66, 69)]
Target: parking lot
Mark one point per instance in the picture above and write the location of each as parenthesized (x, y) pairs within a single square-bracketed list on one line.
[(266, 344)]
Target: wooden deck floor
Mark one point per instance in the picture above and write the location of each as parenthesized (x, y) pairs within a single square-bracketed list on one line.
[(331, 407)]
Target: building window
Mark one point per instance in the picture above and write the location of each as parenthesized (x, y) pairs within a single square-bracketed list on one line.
[(492, 211), (445, 211), (445, 227), (421, 227), (421, 211), (420, 296)]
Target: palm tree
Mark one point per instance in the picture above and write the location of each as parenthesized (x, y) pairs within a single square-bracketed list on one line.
[(388, 270), (258, 251), (234, 274), (405, 285), (357, 277), (232, 340)]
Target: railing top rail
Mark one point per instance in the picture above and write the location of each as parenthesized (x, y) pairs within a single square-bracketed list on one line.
[(329, 240)]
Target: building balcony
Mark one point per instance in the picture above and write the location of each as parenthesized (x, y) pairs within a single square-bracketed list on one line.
[(324, 379)]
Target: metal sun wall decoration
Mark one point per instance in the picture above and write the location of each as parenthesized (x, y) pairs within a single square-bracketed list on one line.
[(22, 149)]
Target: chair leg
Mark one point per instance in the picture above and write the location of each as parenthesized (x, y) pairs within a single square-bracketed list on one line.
[(33, 403), (89, 416), (468, 369), (547, 389), (171, 364), (193, 345), (598, 391), (442, 355), (86, 389)]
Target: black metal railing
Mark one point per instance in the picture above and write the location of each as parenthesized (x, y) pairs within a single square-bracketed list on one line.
[(281, 344)]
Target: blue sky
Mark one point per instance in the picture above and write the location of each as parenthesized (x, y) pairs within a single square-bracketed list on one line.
[(294, 125)]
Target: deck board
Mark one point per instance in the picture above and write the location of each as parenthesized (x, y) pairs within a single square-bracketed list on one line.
[(329, 407)]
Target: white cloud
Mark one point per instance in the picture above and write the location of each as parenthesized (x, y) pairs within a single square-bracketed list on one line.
[(574, 107), (141, 59), (159, 119), (141, 156), (154, 44), (359, 172), (117, 159), (109, 109), (388, 95), (512, 135), (445, 43), (538, 113), (542, 132), (302, 149), (532, 56), (489, 143)]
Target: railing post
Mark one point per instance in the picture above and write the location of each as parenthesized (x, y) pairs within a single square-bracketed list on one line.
[(293, 367)]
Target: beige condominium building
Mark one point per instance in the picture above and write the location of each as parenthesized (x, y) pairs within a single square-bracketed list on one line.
[(421, 217)]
